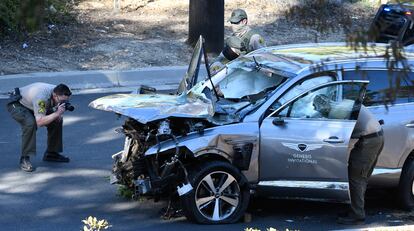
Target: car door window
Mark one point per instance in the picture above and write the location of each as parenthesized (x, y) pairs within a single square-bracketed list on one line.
[(298, 88), (324, 103), (405, 93), (384, 87)]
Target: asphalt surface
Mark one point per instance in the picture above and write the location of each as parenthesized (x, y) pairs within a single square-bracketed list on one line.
[(57, 196)]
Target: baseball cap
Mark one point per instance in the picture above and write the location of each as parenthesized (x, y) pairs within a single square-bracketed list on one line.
[(237, 15)]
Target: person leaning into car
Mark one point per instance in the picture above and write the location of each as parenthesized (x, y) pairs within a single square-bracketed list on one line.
[(362, 159), (37, 105), (242, 41)]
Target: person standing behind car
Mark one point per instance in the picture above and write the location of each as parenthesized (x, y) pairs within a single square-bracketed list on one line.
[(36, 105), (250, 40), (362, 159)]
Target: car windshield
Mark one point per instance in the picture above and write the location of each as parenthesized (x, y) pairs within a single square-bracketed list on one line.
[(244, 77)]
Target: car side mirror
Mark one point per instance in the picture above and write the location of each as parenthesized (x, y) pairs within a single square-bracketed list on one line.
[(146, 90), (278, 121)]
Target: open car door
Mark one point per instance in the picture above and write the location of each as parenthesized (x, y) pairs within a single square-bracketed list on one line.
[(304, 150)]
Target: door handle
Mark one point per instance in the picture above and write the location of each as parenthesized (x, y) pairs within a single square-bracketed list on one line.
[(333, 140), (410, 125)]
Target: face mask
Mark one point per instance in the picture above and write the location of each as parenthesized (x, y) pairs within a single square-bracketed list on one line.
[(237, 28)]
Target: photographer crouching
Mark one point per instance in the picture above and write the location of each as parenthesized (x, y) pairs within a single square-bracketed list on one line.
[(36, 105)]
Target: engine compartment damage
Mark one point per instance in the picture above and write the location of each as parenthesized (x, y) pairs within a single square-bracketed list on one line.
[(165, 172)]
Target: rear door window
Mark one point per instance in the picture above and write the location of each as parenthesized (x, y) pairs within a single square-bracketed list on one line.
[(384, 87)]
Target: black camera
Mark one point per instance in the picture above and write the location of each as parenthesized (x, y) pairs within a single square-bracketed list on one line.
[(68, 106)]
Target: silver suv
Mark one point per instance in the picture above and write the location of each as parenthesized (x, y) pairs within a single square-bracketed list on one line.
[(257, 131)]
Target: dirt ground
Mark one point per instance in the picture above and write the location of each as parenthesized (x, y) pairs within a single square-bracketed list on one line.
[(144, 33)]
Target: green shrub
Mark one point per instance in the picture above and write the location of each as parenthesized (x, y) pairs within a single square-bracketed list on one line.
[(29, 15), (93, 224), (125, 192), (8, 15)]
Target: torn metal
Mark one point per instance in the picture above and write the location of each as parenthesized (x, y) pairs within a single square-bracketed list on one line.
[(147, 108)]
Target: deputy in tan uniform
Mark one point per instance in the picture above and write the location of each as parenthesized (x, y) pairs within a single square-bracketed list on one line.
[(250, 40), (37, 105), (362, 159)]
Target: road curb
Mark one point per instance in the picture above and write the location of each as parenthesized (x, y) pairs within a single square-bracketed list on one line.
[(166, 78)]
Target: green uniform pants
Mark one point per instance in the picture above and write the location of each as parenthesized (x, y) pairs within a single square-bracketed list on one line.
[(27, 121), (362, 161)]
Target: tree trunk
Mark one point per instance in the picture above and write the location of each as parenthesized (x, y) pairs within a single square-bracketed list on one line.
[(206, 18)]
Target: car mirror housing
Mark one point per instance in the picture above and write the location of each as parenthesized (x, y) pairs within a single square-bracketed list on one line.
[(278, 121)]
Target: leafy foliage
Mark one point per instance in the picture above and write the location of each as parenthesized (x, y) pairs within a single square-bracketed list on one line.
[(8, 15), (329, 15), (318, 15), (125, 192), (93, 224), (267, 229), (29, 15)]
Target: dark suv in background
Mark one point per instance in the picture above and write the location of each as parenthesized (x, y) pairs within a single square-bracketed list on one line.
[(394, 22)]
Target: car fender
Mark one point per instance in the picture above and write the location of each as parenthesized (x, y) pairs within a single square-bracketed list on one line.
[(218, 140)]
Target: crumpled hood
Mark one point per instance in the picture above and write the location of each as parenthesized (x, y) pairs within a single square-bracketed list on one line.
[(149, 107)]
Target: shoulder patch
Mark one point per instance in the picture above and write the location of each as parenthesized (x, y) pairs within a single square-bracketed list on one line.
[(261, 40), (42, 107)]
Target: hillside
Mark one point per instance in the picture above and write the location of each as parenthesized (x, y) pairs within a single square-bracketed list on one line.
[(145, 33)]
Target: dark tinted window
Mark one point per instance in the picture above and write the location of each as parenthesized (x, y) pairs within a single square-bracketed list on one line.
[(385, 87)]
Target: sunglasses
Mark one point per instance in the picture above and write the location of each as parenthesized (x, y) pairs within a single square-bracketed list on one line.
[(235, 23)]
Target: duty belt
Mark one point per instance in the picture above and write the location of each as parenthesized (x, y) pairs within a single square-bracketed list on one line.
[(15, 104), (372, 135)]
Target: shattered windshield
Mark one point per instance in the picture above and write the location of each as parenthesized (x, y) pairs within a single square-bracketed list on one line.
[(240, 82), (245, 77)]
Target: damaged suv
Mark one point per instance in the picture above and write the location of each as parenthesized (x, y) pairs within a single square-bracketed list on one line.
[(253, 129)]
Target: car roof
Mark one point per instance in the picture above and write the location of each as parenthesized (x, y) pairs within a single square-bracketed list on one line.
[(296, 57)]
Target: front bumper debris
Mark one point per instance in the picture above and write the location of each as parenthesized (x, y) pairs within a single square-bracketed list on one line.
[(142, 186)]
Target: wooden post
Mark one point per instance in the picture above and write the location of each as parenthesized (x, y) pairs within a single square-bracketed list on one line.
[(206, 18)]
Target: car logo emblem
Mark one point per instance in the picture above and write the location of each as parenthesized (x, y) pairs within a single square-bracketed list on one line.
[(301, 147)]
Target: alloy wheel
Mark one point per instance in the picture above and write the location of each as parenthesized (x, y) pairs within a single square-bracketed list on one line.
[(217, 195)]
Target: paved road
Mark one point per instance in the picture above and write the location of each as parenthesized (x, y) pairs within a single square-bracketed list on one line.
[(57, 196)]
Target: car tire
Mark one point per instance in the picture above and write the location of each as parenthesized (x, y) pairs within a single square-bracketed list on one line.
[(406, 186), (220, 194)]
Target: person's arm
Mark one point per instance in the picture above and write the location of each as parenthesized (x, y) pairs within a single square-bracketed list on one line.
[(43, 120), (218, 64), (256, 42)]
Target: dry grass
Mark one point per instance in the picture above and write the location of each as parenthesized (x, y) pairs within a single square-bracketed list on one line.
[(149, 33)]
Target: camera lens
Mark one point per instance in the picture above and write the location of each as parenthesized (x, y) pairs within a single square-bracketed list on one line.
[(69, 107)]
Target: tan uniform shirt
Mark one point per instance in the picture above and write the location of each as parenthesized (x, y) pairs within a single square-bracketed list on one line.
[(366, 123), (36, 97), (255, 41)]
